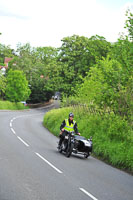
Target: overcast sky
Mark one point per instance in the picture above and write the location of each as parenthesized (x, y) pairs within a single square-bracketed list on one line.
[(46, 22)]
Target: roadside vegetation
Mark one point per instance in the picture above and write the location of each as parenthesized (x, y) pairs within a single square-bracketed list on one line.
[(112, 135), (7, 105)]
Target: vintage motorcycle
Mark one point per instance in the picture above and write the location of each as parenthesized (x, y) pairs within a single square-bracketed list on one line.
[(76, 144)]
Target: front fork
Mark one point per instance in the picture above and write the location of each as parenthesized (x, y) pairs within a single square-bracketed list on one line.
[(70, 144)]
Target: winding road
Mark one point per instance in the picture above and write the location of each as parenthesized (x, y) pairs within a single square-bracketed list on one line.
[(31, 168)]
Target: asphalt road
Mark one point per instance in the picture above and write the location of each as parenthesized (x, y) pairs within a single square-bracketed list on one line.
[(31, 168)]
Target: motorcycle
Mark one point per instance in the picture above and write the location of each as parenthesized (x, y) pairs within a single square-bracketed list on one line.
[(76, 144)]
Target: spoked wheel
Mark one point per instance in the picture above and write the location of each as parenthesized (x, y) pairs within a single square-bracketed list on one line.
[(60, 150), (69, 150), (63, 147)]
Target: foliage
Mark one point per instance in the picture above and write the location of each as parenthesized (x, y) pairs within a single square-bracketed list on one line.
[(39, 92), (112, 136), (37, 65), (106, 86), (2, 64), (129, 24), (62, 68), (122, 51), (2, 84), (17, 86), (6, 51), (77, 54)]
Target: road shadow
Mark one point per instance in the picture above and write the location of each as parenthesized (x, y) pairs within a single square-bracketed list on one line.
[(74, 156)]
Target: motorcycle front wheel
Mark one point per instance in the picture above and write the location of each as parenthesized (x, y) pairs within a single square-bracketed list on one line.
[(60, 150), (69, 150)]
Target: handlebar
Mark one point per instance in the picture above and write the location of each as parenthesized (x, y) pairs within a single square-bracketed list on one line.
[(72, 133), (69, 131)]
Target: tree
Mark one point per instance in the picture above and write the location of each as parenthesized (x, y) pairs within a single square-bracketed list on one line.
[(6, 51), (17, 86), (2, 85), (122, 50), (40, 92), (74, 53), (107, 87), (36, 62), (77, 54), (129, 24), (45, 54)]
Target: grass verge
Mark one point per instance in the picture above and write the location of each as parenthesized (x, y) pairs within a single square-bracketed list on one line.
[(112, 136), (7, 105)]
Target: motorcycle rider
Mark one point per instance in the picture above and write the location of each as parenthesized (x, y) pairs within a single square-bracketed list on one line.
[(67, 125)]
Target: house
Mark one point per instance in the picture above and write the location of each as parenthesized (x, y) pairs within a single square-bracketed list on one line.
[(5, 65), (6, 61)]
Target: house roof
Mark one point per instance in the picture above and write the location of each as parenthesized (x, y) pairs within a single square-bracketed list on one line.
[(7, 60)]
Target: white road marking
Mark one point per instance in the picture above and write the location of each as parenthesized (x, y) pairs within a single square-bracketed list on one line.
[(13, 131), (28, 144), (81, 189), (48, 163), (88, 194), (22, 141)]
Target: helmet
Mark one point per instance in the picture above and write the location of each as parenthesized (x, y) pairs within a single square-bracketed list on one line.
[(71, 115)]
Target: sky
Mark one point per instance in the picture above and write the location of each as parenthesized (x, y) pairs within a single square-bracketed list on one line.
[(46, 22)]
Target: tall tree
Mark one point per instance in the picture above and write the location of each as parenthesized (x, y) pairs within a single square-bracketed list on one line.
[(77, 54)]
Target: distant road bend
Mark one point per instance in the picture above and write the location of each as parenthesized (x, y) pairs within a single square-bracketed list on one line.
[(32, 169)]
